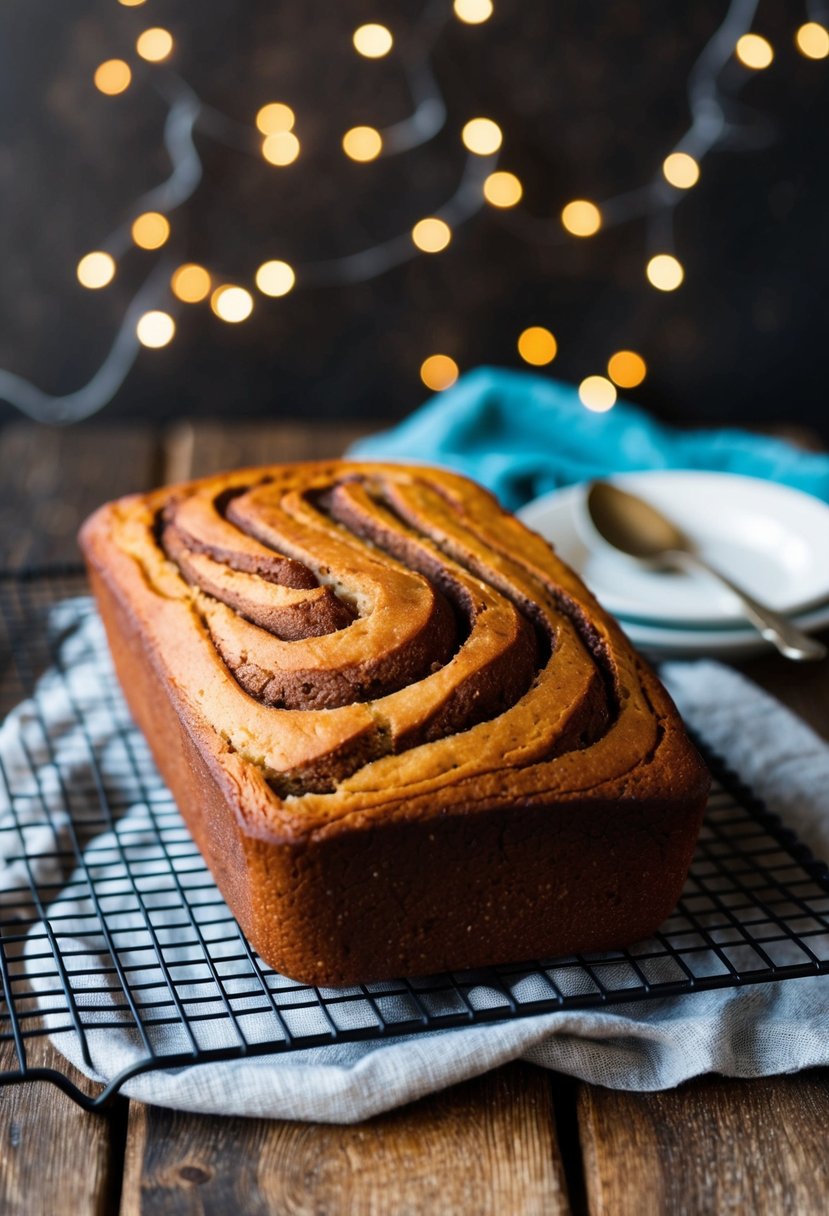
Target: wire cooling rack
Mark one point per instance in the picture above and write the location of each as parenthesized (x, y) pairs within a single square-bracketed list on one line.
[(115, 941)]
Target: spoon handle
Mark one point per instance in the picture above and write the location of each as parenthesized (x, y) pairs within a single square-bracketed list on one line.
[(789, 640)]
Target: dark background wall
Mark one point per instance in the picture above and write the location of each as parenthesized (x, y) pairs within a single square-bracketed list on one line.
[(590, 97)]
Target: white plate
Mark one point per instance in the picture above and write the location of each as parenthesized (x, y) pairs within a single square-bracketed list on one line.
[(768, 537), (733, 643)]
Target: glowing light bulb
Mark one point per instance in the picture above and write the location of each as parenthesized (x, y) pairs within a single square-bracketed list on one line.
[(190, 283), (812, 40), (275, 117), (112, 77), (281, 148), (503, 189), (537, 346), (155, 329), (665, 272), (363, 143), (681, 170), (372, 40), (754, 51), (439, 372), (232, 304), (431, 235), (275, 278), (150, 230), (95, 270), (473, 12), (482, 136), (626, 368), (154, 44), (597, 394), (581, 217)]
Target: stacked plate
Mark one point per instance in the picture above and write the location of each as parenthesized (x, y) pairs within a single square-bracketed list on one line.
[(770, 539)]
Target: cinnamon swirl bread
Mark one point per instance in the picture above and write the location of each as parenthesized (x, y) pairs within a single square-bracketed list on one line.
[(403, 734)]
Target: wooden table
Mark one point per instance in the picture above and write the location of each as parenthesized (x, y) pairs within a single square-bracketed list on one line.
[(519, 1140)]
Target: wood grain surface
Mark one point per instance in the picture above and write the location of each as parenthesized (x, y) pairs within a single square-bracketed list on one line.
[(487, 1146), (711, 1146)]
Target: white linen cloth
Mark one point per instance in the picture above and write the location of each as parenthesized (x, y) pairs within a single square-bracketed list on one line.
[(648, 1045)]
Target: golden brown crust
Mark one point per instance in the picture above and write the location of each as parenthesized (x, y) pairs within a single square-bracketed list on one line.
[(415, 733)]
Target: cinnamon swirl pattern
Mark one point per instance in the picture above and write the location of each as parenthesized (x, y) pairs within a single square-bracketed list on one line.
[(348, 646)]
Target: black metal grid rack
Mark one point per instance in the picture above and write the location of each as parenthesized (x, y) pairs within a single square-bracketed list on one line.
[(110, 924)]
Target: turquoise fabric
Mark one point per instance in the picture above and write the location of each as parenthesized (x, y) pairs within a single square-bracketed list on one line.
[(522, 435)]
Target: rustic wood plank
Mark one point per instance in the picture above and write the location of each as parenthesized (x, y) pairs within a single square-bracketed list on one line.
[(199, 449), (54, 1156), (487, 1146), (53, 478), (712, 1145)]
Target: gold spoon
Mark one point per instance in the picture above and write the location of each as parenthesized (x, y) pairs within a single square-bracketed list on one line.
[(639, 530)]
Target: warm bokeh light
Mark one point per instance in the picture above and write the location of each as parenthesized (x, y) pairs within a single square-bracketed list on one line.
[(191, 283), (537, 346), (473, 12), (431, 235), (681, 170), (482, 136), (112, 77), (372, 40), (275, 278), (581, 217), (132, 3), (275, 117), (597, 394), (155, 328), (363, 143), (438, 372), (232, 304), (150, 230), (281, 148), (665, 272), (812, 40), (502, 189), (626, 368), (154, 44), (754, 51), (95, 269)]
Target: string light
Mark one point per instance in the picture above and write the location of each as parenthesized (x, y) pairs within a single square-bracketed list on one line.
[(150, 230), (502, 189), (537, 346), (281, 148), (372, 40), (154, 44), (473, 12), (626, 368), (754, 51), (190, 283), (581, 217), (95, 269), (681, 170), (275, 278), (665, 272), (232, 304), (112, 77), (597, 394), (439, 372), (363, 143), (431, 235), (275, 117), (482, 136), (812, 40), (155, 328)]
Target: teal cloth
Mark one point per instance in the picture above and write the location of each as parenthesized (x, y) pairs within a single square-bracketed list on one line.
[(522, 435)]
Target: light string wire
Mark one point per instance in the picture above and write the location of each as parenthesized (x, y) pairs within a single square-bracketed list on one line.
[(710, 127)]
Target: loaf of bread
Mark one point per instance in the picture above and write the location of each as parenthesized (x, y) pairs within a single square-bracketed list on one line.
[(403, 734)]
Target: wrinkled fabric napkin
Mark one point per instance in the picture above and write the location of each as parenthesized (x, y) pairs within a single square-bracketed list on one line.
[(649, 1045), (522, 435)]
